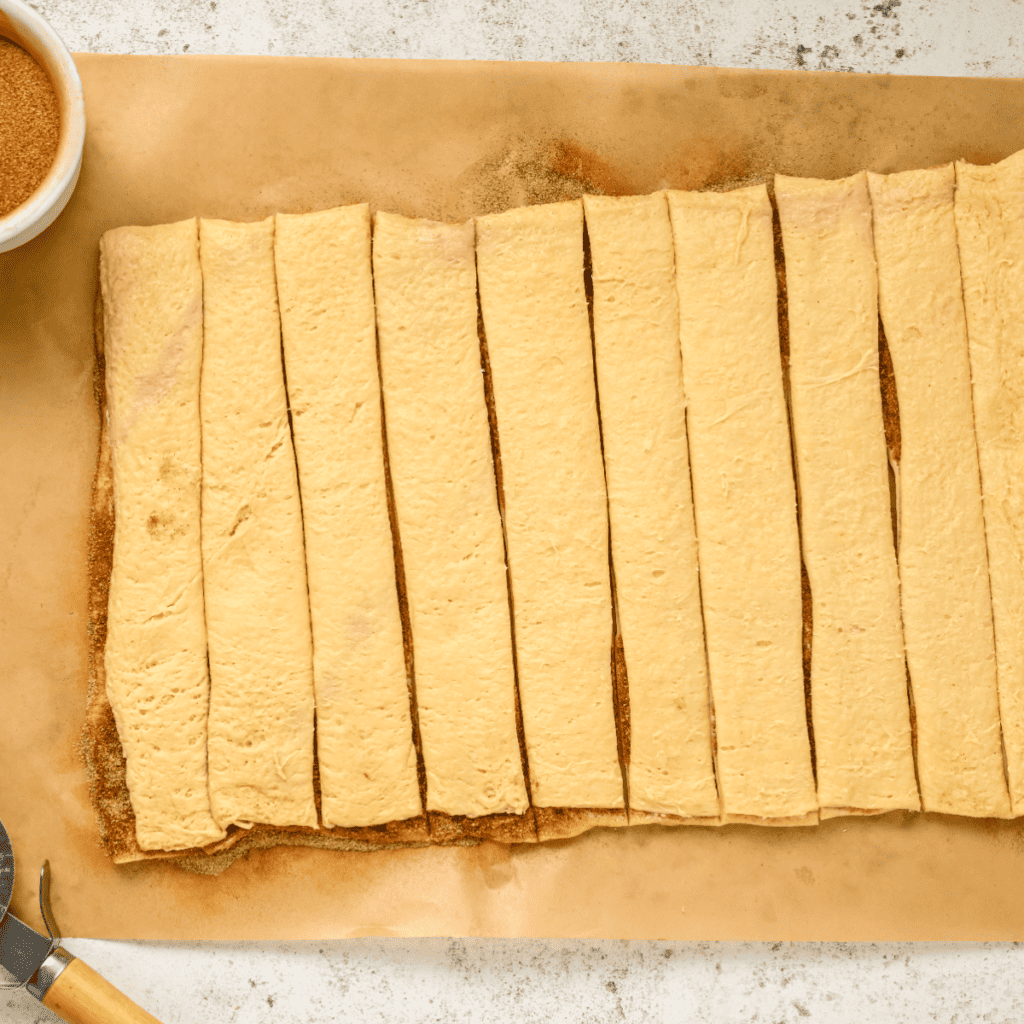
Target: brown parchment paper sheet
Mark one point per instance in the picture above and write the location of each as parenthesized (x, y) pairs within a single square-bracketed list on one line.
[(243, 137)]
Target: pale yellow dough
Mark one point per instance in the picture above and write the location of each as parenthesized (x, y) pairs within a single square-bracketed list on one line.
[(439, 449), (943, 565), (744, 501), (257, 613), (530, 269), (155, 655), (859, 704), (364, 725), (654, 544), (989, 210)]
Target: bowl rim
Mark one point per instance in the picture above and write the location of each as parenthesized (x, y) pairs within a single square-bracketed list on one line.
[(32, 32)]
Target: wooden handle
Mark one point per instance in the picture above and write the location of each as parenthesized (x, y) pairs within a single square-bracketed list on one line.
[(81, 996)]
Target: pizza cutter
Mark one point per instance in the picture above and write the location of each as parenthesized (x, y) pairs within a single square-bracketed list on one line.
[(60, 981)]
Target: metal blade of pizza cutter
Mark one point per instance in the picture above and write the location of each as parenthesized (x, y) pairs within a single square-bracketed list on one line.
[(50, 973), (22, 949)]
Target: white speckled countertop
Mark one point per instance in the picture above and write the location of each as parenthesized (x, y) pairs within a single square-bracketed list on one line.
[(476, 980), (913, 37)]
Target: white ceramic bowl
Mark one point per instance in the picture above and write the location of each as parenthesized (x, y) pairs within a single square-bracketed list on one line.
[(21, 24)]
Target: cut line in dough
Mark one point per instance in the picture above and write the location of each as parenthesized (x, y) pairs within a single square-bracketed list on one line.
[(530, 275), (744, 503), (989, 212), (859, 704), (155, 655), (653, 539), (943, 564), (257, 610), (367, 759), (439, 450)]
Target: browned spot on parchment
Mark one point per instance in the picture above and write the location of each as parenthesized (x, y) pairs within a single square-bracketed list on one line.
[(982, 155), (707, 165), (527, 171), (574, 163)]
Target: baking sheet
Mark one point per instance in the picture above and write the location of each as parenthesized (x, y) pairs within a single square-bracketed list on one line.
[(243, 137)]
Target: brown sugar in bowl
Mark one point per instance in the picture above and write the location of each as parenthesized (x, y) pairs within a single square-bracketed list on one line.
[(43, 124), (29, 125)]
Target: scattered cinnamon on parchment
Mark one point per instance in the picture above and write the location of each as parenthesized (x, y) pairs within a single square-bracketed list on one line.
[(29, 125)]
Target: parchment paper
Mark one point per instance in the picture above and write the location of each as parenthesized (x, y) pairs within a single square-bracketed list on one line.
[(243, 137)]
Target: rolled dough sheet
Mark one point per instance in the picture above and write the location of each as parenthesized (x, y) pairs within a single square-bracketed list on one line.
[(859, 705), (530, 271), (365, 748), (155, 657), (744, 502), (943, 564), (257, 611), (989, 210), (653, 540), (449, 526)]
